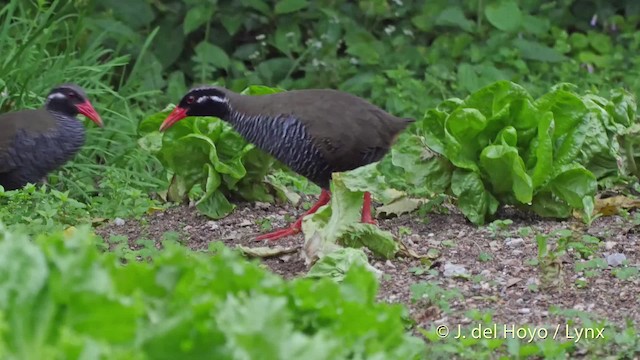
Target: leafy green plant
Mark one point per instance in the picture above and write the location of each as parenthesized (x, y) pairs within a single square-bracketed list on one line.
[(62, 297), (339, 222), (208, 153), (500, 146), (36, 209), (434, 295)]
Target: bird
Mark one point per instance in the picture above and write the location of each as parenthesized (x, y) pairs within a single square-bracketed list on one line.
[(314, 132), (34, 142)]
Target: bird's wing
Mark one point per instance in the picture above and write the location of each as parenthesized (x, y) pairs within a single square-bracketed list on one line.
[(32, 121), (349, 130)]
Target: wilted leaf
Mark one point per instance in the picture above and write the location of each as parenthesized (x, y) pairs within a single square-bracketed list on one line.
[(378, 241), (612, 205), (400, 206), (337, 263)]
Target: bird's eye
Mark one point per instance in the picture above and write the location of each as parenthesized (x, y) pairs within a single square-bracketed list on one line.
[(71, 95), (190, 99)]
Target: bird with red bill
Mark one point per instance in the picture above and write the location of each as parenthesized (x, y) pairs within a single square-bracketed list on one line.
[(315, 132), (35, 142)]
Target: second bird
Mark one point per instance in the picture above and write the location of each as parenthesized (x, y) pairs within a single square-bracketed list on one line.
[(315, 132), (36, 142)]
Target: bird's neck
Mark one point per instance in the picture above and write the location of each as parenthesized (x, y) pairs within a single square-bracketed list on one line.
[(285, 138), (61, 107), (70, 129), (256, 129)]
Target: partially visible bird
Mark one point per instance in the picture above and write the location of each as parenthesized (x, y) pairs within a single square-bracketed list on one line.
[(315, 132), (35, 142)]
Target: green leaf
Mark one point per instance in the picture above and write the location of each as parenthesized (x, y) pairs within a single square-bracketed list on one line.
[(232, 23), (504, 15), (454, 16), (462, 132), (289, 6), (536, 25), (195, 18), (532, 50), (600, 43), (467, 77), (506, 172), (379, 242), (574, 184), (212, 54), (337, 264), (23, 269), (339, 222), (543, 168), (473, 200)]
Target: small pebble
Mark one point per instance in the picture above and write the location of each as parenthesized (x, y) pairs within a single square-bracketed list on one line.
[(513, 241), (610, 245), (616, 259), (118, 221), (262, 205), (451, 270), (213, 225), (245, 222)]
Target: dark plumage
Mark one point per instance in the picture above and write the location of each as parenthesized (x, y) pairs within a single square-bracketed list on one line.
[(315, 132), (35, 142)]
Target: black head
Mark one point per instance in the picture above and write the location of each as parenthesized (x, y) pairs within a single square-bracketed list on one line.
[(71, 100), (200, 101)]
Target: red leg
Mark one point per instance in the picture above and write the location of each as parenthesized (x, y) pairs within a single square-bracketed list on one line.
[(366, 210), (324, 198)]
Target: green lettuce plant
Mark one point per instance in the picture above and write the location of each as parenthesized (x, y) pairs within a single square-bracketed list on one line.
[(206, 153), (62, 298), (501, 146)]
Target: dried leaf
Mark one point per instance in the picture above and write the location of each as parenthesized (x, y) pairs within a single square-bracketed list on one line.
[(611, 205), (400, 206), (408, 252), (68, 232), (512, 281)]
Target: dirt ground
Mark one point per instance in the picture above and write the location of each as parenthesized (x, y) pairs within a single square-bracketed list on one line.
[(499, 276)]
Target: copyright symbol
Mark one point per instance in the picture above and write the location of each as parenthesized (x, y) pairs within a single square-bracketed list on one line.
[(442, 331)]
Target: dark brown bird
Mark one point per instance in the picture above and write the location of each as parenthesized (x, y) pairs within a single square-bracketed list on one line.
[(315, 132), (35, 142)]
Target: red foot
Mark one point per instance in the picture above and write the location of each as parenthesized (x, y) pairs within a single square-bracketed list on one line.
[(272, 236), (324, 198), (366, 210)]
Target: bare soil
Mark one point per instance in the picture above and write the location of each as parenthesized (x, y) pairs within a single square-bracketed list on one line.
[(499, 275)]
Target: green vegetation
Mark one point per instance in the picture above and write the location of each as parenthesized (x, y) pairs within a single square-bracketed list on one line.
[(61, 298), (518, 103)]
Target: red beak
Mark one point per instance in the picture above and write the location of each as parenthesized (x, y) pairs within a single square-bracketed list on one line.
[(176, 115), (87, 110)]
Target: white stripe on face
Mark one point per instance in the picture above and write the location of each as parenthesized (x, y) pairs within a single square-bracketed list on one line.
[(202, 99), (57, 95)]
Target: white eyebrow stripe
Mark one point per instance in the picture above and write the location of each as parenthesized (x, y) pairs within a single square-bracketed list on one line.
[(218, 99), (56, 95), (204, 98)]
